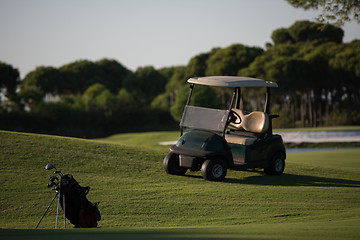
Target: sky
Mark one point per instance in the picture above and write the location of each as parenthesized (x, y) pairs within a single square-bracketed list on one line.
[(137, 33)]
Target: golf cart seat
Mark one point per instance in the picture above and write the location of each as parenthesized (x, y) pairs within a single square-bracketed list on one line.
[(251, 127)]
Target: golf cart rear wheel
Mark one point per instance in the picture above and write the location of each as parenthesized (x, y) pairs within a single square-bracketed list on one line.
[(214, 169), (171, 164), (277, 165)]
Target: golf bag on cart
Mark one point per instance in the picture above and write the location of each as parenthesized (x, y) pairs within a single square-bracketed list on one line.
[(80, 211)]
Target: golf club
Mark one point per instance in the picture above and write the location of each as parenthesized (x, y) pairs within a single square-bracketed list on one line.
[(55, 186)]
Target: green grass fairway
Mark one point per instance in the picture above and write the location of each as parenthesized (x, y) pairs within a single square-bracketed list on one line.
[(317, 197), (146, 139)]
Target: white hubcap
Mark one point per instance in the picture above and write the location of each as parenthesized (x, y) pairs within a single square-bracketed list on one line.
[(278, 165)]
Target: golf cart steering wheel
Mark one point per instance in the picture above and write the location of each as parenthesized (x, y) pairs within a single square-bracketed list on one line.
[(235, 117)]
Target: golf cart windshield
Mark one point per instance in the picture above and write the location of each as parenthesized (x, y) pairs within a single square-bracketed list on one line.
[(204, 118)]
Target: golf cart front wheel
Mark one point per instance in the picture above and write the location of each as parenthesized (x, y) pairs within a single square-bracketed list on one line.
[(277, 165), (172, 166), (214, 169)]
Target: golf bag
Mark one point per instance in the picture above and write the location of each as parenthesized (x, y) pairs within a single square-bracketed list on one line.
[(80, 211)]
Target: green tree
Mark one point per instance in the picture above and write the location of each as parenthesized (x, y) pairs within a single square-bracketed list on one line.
[(38, 83), (125, 100), (203, 96), (94, 90), (98, 98), (346, 62), (106, 102), (167, 72), (90, 95), (349, 59), (262, 66), (198, 65), (282, 65), (47, 79), (9, 80), (314, 78), (306, 31), (228, 61), (112, 74), (146, 83), (335, 11), (161, 102), (281, 35), (177, 80), (79, 75)]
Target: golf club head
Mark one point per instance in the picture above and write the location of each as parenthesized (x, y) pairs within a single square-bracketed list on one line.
[(53, 178), (51, 184), (49, 166)]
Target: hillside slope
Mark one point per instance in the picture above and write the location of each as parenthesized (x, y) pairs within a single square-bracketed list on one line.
[(134, 190)]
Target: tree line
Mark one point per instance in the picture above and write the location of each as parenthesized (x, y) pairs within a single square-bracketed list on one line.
[(318, 77)]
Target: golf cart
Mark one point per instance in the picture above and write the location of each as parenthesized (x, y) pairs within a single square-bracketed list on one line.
[(214, 140)]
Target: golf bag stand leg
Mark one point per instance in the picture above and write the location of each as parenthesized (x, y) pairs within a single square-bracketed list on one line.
[(57, 211), (64, 210), (46, 210)]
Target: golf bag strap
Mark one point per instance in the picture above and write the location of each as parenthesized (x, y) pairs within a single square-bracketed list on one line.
[(85, 190)]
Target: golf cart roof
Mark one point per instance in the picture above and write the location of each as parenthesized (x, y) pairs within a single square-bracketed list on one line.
[(231, 81)]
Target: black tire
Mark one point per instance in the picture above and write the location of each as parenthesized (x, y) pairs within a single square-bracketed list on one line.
[(277, 165), (171, 164), (214, 169)]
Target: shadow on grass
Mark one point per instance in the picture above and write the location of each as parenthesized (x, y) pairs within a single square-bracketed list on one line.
[(295, 180)]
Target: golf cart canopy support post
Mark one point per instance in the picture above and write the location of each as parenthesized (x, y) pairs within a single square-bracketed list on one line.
[(267, 101), (187, 103), (189, 97), (231, 106), (239, 100)]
